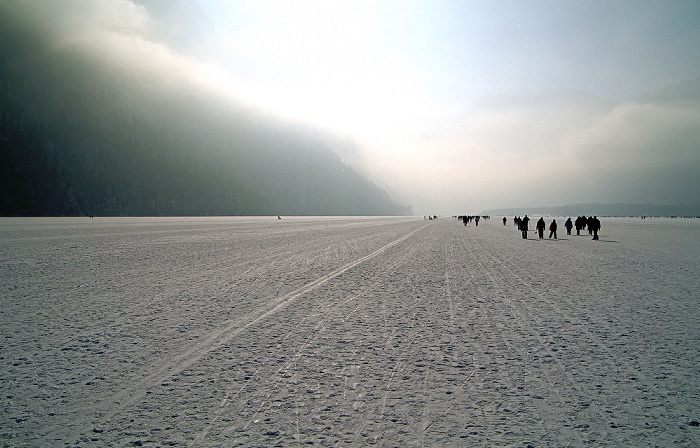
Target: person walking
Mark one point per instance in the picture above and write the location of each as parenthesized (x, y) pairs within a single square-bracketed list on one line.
[(524, 224), (594, 226), (553, 229), (568, 226), (580, 224), (540, 227)]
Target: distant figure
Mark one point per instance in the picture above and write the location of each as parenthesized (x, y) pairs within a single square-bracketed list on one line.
[(524, 226), (504, 220), (553, 229), (278, 217), (540, 227), (476, 220), (589, 223), (594, 226), (568, 226)]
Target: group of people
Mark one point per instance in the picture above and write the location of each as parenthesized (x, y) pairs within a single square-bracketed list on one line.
[(466, 219), (552, 228), (522, 224), (592, 223)]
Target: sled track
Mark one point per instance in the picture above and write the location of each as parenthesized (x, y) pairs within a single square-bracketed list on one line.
[(366, 412), (524, 316), (112, 406), (138, 307), (585, 407), (530, 314)]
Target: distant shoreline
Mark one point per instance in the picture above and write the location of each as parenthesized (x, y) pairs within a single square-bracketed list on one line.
[(608, 210)]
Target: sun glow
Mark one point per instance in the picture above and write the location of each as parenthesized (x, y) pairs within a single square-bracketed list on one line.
[(319, 62)]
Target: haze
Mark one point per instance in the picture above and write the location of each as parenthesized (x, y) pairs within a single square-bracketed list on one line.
[(451, 106)]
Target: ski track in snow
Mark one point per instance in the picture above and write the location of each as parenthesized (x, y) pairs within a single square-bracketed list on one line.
[(391, 332)]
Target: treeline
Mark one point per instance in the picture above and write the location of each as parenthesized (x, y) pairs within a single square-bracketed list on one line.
[(604, 210), (81, 138)]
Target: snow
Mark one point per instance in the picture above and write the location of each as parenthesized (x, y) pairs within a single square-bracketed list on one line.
[(392, 332)]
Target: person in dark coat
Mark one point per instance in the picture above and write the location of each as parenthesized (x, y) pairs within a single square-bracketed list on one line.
[(504, 220), (540, 227), (568, 226), (594, 227), (524, 225), (553, 229), (581, 222)]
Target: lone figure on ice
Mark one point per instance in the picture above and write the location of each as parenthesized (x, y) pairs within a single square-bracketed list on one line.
[(553, 229), (540, 227)]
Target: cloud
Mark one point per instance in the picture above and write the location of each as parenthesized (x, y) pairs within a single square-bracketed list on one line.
[(641, 152), (70, 19), (121, 39), (558, 147)]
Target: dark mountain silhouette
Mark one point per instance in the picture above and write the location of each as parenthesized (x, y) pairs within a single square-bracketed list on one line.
[(79, 136)]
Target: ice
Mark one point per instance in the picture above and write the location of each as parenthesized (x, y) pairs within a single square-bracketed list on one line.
[(347, 332)]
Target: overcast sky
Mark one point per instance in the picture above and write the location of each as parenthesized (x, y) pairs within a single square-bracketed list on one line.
[(453, 106), (458, 105)]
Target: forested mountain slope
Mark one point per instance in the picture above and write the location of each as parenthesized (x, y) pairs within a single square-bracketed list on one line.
[(82, 135)]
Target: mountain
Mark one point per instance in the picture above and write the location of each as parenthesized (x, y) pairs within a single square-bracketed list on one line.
[(682, 93), (601, 210), (86, 127)]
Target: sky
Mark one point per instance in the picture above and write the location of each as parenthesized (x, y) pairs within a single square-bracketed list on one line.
[(474, 105), (451, 106)]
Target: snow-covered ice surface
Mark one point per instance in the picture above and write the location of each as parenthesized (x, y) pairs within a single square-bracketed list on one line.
[(392, 332)]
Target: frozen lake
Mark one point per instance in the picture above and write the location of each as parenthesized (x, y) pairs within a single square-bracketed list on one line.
[(391, 332)]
